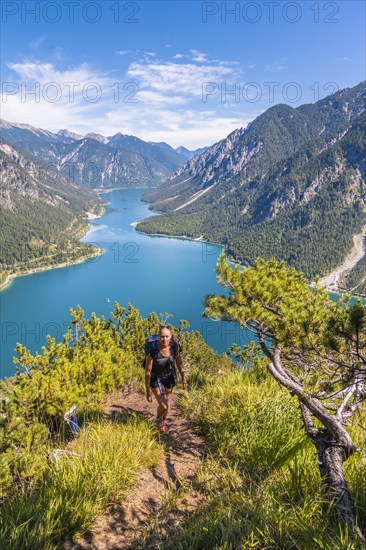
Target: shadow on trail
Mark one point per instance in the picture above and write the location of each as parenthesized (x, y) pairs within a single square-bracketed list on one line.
[(123, 415), (146, 517)]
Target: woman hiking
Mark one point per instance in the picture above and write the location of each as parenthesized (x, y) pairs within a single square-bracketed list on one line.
[(160, 375)]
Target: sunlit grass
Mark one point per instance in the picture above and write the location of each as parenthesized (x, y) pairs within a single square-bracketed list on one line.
[(77, 487), (261, 484), (254, 424)]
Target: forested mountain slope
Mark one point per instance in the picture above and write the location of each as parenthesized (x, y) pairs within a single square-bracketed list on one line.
[(42, 214), (290, 185)]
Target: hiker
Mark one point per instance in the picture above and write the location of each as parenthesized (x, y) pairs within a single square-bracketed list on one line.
[(160, 375)]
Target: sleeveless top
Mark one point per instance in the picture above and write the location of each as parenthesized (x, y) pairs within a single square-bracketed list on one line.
[(163, 366)]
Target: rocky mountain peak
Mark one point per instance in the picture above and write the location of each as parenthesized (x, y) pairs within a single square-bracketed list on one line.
[(97, 137), (66, 133)]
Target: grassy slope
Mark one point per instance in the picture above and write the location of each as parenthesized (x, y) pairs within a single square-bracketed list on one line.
[(261, 482), (259, 485)]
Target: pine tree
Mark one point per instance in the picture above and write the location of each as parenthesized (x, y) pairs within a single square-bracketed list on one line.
[(315, 349)]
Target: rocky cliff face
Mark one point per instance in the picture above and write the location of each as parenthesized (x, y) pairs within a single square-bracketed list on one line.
[(22, 175), (225, 158)]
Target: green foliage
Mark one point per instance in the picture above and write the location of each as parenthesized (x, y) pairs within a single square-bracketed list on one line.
[(276, 297), (355, 280), (247, 421), (35, 235), (315, 350), (260, 484), (95, 358), (201, 362), (79, 484), (248, 357), (92, 360), (317, 345), (189, 225)]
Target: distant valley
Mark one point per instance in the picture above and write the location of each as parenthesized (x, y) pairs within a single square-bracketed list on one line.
[(290, 185), (48, 184)]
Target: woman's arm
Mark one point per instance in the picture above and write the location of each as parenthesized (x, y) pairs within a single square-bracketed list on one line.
[(148, 367), (180, 366)]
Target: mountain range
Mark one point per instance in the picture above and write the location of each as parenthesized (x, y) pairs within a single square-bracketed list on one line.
[(95, 160), (290, 185), (46, 179), (190, 154)]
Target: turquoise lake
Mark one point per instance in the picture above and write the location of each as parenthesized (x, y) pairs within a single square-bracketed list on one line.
[(153, 273)]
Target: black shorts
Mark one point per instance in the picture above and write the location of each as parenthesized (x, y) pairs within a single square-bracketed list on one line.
[(169, 382)]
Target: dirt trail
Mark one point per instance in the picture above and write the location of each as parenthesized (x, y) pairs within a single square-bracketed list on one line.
[(143, 521)]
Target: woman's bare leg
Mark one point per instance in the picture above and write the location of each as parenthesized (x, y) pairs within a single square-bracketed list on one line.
[(162, 400), (168, 393), (162, 396)]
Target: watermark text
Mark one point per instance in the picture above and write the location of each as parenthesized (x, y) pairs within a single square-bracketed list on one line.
[(270, 12), (70, 12)]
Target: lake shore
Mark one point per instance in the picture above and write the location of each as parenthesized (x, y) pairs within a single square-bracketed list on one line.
[(37, 301), (101, 191), (89, 217), (10, 278), (196, 239), (329, 282)]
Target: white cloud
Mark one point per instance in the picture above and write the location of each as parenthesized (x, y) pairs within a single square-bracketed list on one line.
[(179, 79), (44, 73), (184, 127), (156, 100), (228, 63), (124, 52), (149, 97), (200, 57), (58, 54), (35, 44), (40, 94), (136, 53), (276, 66)]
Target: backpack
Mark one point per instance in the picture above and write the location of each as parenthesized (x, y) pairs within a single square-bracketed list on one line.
[(150, 347)]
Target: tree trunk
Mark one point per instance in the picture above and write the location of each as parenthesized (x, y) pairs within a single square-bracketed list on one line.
[(331, 456), (333, 443)]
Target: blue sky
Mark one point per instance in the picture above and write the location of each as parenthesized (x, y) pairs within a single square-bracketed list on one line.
[(187, 73)]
